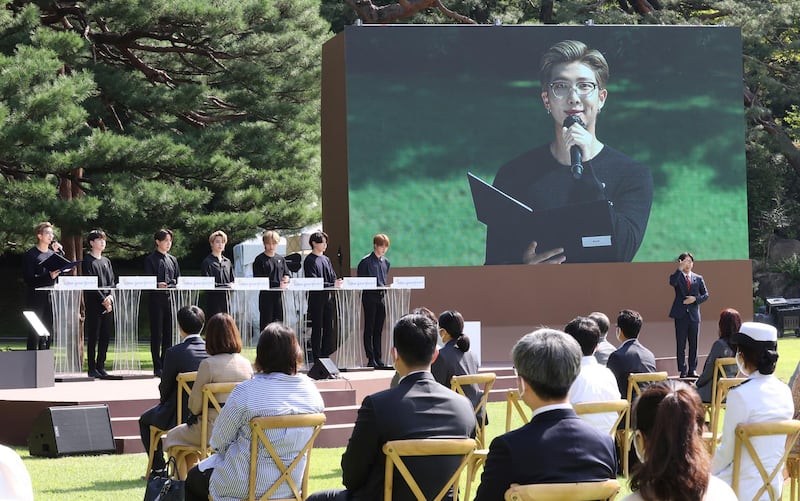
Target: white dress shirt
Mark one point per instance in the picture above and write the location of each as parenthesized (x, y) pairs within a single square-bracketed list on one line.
[(595, 383)]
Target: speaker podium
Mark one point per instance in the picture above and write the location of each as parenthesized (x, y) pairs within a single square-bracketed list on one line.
[(72, 429), (323, 368), (26, 369)]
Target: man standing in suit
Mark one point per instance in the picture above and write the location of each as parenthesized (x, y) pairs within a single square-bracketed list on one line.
[(375, 265), (418, 407), (631, 356), (184, 357), (163, 265), (556, 446), (690, 291)]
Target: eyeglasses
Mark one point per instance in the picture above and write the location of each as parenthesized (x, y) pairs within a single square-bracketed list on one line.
[(562, 88)]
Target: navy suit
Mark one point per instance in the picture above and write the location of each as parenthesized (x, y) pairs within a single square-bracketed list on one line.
[(687, 316), (418, 407), (630, 357), (556, 446), (183, 357)]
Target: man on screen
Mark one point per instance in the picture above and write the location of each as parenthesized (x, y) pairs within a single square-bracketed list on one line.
[(574, 168)]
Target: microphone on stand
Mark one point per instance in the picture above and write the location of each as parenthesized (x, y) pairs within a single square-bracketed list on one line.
[(575, 155)]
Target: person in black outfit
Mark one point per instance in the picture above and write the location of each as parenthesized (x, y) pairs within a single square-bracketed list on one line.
[(320, 303), (273, 266), (99, 304), (36, 275), (220, 267), (376, 265), (573, 79), (165, 267)]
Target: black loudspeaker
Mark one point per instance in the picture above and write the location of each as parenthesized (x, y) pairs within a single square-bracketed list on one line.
[(323, 368), (71, 429)]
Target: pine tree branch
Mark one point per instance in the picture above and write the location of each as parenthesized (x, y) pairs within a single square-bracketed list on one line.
[(370, 13)]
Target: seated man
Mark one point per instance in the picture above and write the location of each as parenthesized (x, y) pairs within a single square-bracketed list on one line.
[(604, 348), (595, 383), (631, 356), (183, 357), (418, 407), (556, 446)]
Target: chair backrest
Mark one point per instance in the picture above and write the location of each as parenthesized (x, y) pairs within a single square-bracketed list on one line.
[(185, 380), (636, 383), (258, 426), (512, 402), (396, 450), (724, 385), (487, 379), (580, 491), (621, 407), (744, 432), (719, 372), (212, 393)]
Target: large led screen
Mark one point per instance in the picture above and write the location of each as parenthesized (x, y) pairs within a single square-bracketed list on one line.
[(426, 105)]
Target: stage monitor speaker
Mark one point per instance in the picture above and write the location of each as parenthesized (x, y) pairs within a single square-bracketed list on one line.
[(323, 368), (72, 429)]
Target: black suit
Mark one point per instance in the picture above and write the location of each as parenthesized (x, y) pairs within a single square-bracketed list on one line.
[(630, 357), (184, 357), (556, 446), (687, 316), (418, 407)]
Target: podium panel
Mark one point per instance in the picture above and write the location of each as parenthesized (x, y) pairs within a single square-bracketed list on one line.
[(26, 369)]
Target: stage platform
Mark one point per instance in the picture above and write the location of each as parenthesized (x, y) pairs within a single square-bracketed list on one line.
[(127, 399)]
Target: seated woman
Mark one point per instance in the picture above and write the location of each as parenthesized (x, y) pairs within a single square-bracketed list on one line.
[(454, 358), (668, 419), (275, 390), (763, 397), (729, 323), (224, 365)]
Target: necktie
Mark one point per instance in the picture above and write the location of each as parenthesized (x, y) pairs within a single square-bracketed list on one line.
[(688, 283)]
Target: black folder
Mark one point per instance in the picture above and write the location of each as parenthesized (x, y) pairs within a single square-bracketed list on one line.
[(58, 262), (584, 230)]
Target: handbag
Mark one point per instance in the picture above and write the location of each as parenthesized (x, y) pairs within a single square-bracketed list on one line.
[(165, 488)]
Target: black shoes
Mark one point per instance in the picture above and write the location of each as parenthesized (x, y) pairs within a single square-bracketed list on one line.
[(694, 374), (94, 373)]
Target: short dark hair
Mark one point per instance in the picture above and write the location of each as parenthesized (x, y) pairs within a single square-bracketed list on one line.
[(222, 335), (586, 333), (94, 235), (278, 350), (162, 234), (630, 323), (684, 255), (318, 237), (415, 339), (601, 319), (191, 319)]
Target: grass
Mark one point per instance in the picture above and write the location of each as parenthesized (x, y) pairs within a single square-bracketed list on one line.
[(118, 476)]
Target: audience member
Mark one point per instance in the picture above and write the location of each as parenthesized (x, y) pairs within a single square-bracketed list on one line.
[(556, 446), (729, 323), (424, 311), (15, 482), (418, 407), (604, 348), (454, 357), (631, 357), (276, 390), (674, 464), (224, 365), (183, 357), (595, 383), (763, 397)]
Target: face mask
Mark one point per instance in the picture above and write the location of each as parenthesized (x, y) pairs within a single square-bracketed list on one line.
[(740, 364), (637, 438)]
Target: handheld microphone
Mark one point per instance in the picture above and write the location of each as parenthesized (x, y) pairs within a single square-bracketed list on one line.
[(575, 155)]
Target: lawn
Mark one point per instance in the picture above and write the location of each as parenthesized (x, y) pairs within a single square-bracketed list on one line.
[(119, 476)]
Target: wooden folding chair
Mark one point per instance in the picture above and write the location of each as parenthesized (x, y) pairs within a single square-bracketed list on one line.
[(724, 385), (580, 491), (744, 432), (637, 381), (512, 402), (258, 427), (720, 366), (793, 469), (457, 384), (396, 450), (184, 380), (186, 456), (621, 407)]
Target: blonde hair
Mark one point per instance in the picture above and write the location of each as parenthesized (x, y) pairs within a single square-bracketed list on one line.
[(271, 236), (43, 226), (381, 239), (218, 233)]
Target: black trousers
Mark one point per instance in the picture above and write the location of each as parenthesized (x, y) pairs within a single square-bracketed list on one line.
[(374, 317), (99, 326), (320, 313), (160, 328), (270, 308), (197, 484)]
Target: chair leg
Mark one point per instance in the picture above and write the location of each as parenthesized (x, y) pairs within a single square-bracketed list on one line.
[(155, 436)]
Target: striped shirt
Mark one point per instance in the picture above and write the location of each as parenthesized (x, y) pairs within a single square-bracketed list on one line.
[(274, 394)]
